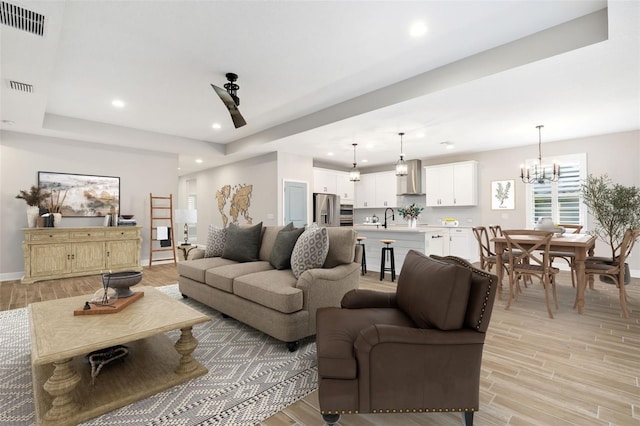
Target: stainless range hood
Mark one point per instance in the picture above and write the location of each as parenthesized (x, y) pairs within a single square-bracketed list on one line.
[(411, 184)]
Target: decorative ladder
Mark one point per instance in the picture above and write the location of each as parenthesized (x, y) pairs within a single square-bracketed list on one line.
[(161, 215)]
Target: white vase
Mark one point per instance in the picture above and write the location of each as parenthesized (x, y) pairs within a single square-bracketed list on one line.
[(33, 212), (57, 218), (412, 223)]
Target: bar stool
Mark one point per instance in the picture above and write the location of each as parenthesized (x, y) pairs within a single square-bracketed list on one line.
[(363, 264), (387, 252)]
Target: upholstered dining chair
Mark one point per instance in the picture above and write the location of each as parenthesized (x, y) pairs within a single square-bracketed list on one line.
[(614, 268), (567, 256), (528, 253), (418, 350)]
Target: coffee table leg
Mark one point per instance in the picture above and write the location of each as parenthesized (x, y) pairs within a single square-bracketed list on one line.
[(185, 346), (60, 385)]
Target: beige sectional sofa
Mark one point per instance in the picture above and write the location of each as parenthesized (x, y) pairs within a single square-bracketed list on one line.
[(271, 300)]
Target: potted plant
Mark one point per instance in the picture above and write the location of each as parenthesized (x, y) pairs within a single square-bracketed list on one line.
[(411, 214), (34, 198), (614, 207)]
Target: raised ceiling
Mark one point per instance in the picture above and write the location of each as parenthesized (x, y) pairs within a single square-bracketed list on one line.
[(316, 77)]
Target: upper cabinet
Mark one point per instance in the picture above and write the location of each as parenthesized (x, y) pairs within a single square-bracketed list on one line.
[(325, 181), (376, 190), (454, 184)]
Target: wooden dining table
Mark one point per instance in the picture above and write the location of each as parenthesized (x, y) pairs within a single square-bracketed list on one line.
[(582, 245)]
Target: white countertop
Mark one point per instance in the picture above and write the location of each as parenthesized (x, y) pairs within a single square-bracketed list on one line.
[(398, 228)]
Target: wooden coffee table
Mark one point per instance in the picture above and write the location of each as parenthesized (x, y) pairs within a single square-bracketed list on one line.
[(60, 342)]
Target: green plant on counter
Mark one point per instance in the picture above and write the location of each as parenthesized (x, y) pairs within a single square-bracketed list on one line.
[(410, 212)]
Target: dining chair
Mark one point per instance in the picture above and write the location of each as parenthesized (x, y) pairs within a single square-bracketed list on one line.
[(530, 258), (496, 231), (487, 257), (614, 268), (567, 256)]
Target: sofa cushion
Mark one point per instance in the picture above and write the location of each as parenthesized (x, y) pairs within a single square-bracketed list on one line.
[(433, 293), (243, 243), (283, 247), (216, 239), (269, 234), (196, 269), (342, 243), (310, 250), (275, 289), (223, 277)]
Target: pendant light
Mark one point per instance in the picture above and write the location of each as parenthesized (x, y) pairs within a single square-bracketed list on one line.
[(537, 173), (401, 166), (354, 174)]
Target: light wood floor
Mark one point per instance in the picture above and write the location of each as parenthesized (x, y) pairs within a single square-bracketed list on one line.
[(574, 369)]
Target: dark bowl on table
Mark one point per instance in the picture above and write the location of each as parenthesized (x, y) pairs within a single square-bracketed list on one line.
[(127, 216), (121, 281)]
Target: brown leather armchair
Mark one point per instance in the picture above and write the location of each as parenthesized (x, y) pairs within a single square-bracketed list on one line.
[(416, 350)]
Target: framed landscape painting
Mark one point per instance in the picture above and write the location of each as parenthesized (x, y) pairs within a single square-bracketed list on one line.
[(81, 195), (503, 195)]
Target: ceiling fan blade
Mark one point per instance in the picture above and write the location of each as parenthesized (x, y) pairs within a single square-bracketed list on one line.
[(228, 101)]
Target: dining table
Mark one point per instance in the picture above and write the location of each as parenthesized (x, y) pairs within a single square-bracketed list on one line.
[(582, 245)]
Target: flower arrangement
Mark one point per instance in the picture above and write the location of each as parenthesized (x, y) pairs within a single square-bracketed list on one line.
[(34, 197), (410, 212)]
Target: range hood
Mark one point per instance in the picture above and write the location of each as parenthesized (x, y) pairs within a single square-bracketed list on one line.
[(411, 184)]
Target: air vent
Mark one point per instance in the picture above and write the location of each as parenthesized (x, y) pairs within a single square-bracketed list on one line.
[(21, 18), (21, 87)]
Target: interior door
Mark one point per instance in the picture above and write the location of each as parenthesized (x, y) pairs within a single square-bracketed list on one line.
[(295, 203)]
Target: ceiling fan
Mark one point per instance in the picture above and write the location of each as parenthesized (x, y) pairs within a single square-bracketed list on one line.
[(230, 99)]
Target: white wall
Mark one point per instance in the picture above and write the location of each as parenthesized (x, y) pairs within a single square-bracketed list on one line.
[(23, 155)]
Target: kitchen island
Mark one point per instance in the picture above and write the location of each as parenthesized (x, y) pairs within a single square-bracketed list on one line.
[(427, 239)]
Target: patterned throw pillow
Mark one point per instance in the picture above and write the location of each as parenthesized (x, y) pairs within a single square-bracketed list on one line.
[(310, 250), (216, 238)]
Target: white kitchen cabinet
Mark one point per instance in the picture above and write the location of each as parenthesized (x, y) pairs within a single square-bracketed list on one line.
[(345, 188), (325, 181), (376, 190), (462, 243), (454, 184)]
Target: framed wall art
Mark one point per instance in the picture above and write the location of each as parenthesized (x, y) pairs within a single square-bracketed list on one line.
[(76, 195), (503, 195)]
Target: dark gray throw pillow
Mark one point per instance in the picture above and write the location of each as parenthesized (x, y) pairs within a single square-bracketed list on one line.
[(280, 257), (243, 243)]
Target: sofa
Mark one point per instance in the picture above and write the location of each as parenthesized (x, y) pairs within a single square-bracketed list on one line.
[(279, 300)]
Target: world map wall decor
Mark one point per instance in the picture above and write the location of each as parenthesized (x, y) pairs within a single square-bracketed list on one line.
[(234, 201)]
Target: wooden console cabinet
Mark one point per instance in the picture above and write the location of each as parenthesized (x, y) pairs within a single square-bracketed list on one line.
[(51, 253)]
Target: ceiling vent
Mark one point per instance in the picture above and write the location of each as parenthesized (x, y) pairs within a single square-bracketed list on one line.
[(21, 87), (21, 18)]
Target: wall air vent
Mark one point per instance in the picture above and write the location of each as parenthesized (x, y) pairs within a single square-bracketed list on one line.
[(21, 18), (21, 87)]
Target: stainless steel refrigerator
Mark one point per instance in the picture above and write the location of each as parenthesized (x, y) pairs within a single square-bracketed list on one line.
[(326, 209)]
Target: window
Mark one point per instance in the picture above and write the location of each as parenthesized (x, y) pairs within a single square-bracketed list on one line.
[(559, 200), (192, 204)]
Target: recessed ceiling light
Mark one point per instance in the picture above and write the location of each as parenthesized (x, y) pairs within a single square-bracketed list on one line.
[(330, 154), (420, 135), (199, 160), (117, 103), (364, 161), (216, 126), (418, 29), (447, 145)]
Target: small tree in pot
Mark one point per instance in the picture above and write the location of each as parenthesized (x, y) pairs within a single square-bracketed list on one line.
[(614, 207)]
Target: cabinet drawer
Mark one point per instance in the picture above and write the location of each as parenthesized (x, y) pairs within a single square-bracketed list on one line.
[(54, 236), (122, 234), (81, 235)]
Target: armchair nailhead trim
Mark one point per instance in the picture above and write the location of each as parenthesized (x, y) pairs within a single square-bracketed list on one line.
[(417, 410)]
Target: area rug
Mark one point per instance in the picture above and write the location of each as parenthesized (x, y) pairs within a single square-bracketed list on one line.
[(251, 376)]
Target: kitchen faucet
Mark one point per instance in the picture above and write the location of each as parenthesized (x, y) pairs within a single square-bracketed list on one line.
[(385, 216)]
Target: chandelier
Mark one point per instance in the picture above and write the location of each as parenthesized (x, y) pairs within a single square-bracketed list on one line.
[(354, 174), (537, 173), (401, 166)]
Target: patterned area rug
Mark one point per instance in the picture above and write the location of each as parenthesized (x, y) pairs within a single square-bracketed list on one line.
[(251, 376)]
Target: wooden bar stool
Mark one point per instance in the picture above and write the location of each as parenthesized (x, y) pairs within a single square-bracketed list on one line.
[(363, 264), (388, 252)]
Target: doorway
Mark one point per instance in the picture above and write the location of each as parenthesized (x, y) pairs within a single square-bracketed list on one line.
[(295, 203)]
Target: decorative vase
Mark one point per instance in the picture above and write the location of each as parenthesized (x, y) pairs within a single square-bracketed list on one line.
[(57, 218), (33, 212), (412, 223)]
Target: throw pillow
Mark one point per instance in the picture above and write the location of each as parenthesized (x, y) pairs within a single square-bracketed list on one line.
[(310, 250), (216, 239), (243, 243), (433, 293), (283, 247)]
